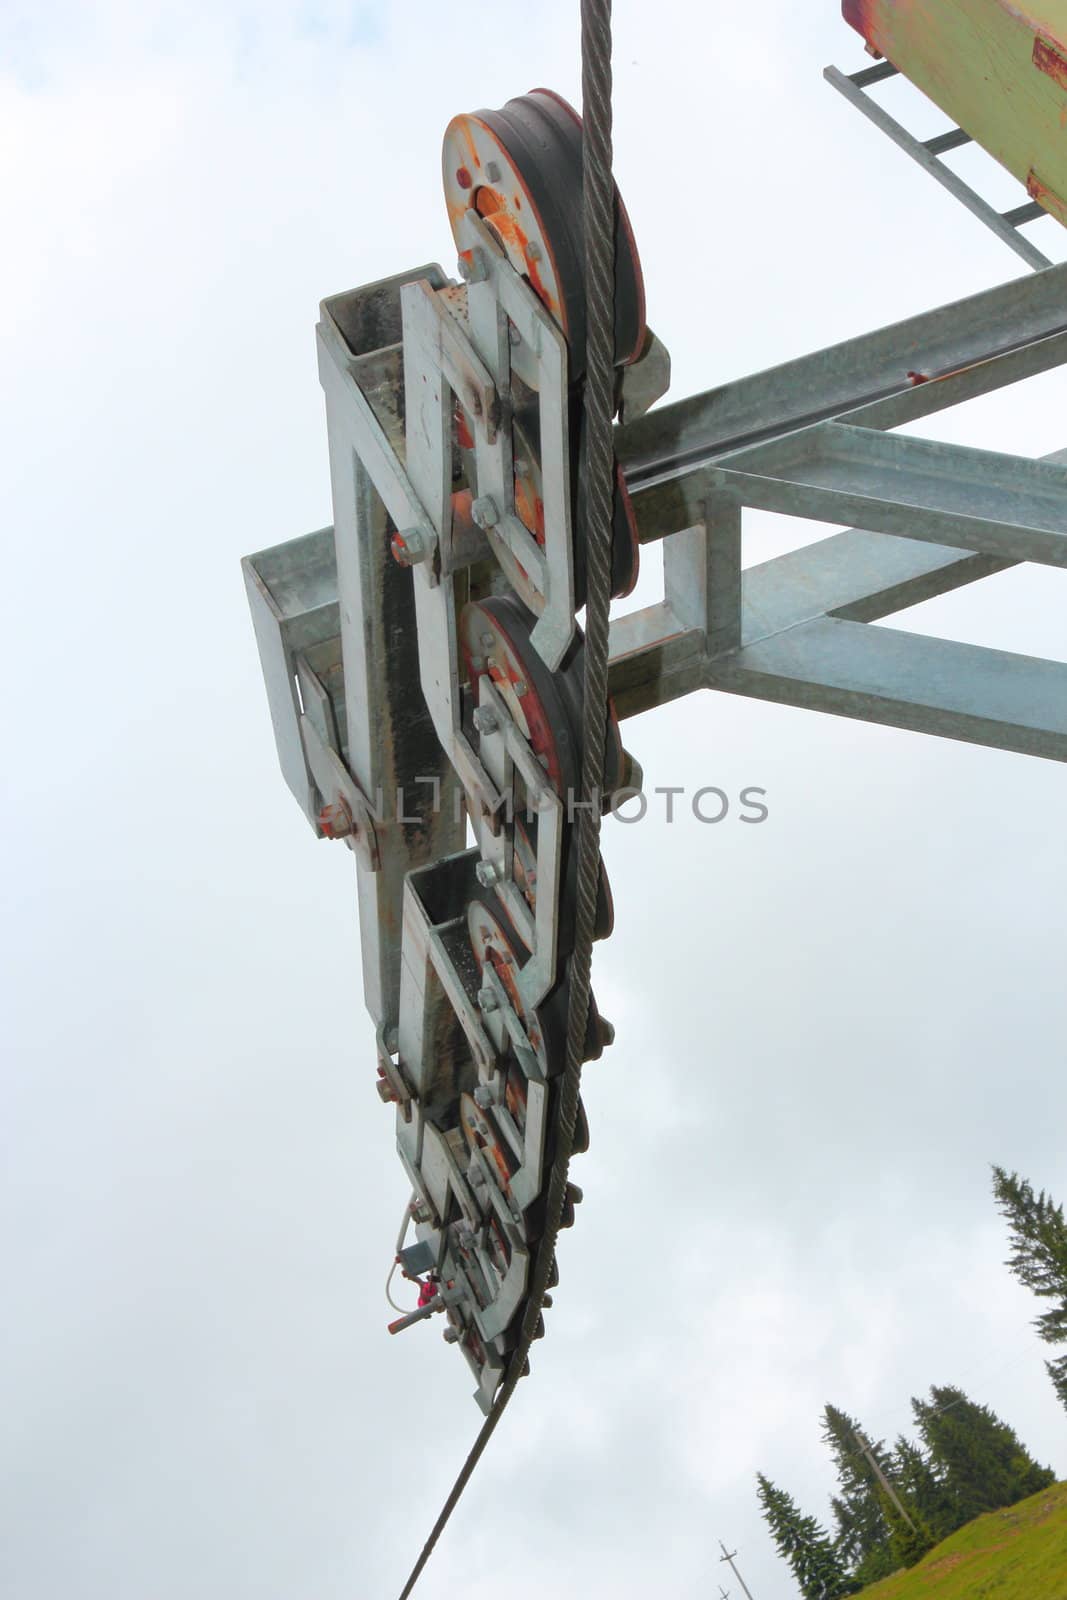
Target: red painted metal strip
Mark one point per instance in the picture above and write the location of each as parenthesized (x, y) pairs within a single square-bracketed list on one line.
[(1048, 57), (1046, 197)]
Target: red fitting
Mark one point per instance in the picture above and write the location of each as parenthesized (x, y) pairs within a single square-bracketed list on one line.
[(336, 821)]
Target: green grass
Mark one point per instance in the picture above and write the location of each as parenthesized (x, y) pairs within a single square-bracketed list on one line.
[(1017, 1554)]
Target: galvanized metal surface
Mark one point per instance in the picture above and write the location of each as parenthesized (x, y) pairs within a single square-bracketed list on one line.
[(897, 374)]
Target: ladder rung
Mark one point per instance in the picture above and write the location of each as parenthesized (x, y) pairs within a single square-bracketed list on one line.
[(1027, 213), (884, 69), (947, 141)]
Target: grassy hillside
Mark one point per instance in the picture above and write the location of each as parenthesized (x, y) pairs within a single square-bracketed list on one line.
[(1017, 1554)]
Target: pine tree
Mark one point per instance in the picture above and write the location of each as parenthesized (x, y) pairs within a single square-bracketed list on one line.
[(910, 1537), (979, 1458), (862, 1531), (920, 1487), (1038, 1259), (807, 1547)]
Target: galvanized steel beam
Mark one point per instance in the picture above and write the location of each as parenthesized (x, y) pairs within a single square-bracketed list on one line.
[(898, 374), (977, 500), (907, 680)]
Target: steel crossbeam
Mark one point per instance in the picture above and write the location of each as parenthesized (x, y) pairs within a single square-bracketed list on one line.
[(978, 500), (810, 439), (960, 691), (898, 374)]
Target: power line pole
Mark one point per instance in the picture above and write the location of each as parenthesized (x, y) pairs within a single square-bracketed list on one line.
[(726, 1556), (724, 1593), (882, 1479)]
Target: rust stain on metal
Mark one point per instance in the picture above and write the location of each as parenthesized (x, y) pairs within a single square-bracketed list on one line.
[(515, 240), (463, 433), (487, 202), (918, 377), (1040, 191), (463, 177), (468, 138), (336, 820), (1050, 58), (530, 508)]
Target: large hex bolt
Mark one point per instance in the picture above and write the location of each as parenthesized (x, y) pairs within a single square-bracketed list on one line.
[(336, 820), (485, 511), (472, 266), (486, 720), (410, 547)]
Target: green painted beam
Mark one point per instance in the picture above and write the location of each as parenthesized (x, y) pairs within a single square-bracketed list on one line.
[(997, 69)]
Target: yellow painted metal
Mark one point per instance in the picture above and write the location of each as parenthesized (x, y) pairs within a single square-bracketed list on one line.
[(998, 70)]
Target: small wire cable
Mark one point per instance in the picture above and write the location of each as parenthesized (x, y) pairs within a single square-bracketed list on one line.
[(401, 1236)]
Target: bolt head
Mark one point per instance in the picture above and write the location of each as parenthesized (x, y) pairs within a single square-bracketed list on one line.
[(410, 547), (488, 1001), (486, 874), (450, 1335), (483, 1095), (492, 171), (471, 266), (336, 821), (485, 720), (519, 688), (484, 511), (533, 250)]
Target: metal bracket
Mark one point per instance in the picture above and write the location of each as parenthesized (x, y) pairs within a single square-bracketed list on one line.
[(498, 299), (346, 812), (393, 1086)]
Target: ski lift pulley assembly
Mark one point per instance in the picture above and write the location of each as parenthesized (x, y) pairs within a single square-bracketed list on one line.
[(423, 657)]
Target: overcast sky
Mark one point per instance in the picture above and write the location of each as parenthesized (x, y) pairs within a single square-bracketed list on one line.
[(828, 1025)]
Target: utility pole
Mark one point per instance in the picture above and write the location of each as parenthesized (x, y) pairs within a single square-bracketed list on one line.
[(882, 1479), (724, 1593), (726, 1556)]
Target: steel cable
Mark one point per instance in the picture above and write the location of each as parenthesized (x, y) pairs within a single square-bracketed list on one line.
[(598, 213)]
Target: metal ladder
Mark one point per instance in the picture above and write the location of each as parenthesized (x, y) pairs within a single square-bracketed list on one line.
[(927, 153)]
